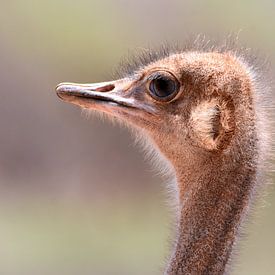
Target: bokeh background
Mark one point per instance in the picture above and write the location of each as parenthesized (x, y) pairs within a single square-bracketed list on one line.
[(76, 196)]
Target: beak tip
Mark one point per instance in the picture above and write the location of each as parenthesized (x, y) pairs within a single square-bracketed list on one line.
[(59, 87), (62, 88)]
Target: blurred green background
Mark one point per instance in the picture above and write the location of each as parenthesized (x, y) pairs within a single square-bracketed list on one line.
[(76, 196)]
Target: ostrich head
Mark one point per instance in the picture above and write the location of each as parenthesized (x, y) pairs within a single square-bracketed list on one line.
[(182, 101), (199, 110)]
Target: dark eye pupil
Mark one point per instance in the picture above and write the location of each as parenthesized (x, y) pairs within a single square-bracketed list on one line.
[(162, 87)]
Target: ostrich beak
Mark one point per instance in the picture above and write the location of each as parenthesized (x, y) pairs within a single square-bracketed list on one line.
[(86, 94), (117, 98)]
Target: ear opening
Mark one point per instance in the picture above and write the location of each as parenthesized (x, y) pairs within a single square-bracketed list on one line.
[(213, 123)]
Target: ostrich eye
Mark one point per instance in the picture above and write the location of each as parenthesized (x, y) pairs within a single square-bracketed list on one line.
[(163, 87)]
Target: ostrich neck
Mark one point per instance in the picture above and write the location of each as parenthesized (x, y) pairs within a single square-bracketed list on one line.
[(214, 197)]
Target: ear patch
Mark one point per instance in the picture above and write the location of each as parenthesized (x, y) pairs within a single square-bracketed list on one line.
[(212, 124)]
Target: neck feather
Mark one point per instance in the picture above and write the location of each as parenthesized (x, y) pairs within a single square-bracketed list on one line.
[(214, 198)]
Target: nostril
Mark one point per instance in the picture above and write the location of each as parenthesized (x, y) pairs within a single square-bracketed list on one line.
[(106, 88)]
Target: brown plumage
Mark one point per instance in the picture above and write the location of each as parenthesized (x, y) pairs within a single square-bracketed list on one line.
[(199, 109)]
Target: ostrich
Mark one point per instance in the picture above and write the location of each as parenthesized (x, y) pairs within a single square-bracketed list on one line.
[(198, 109)]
